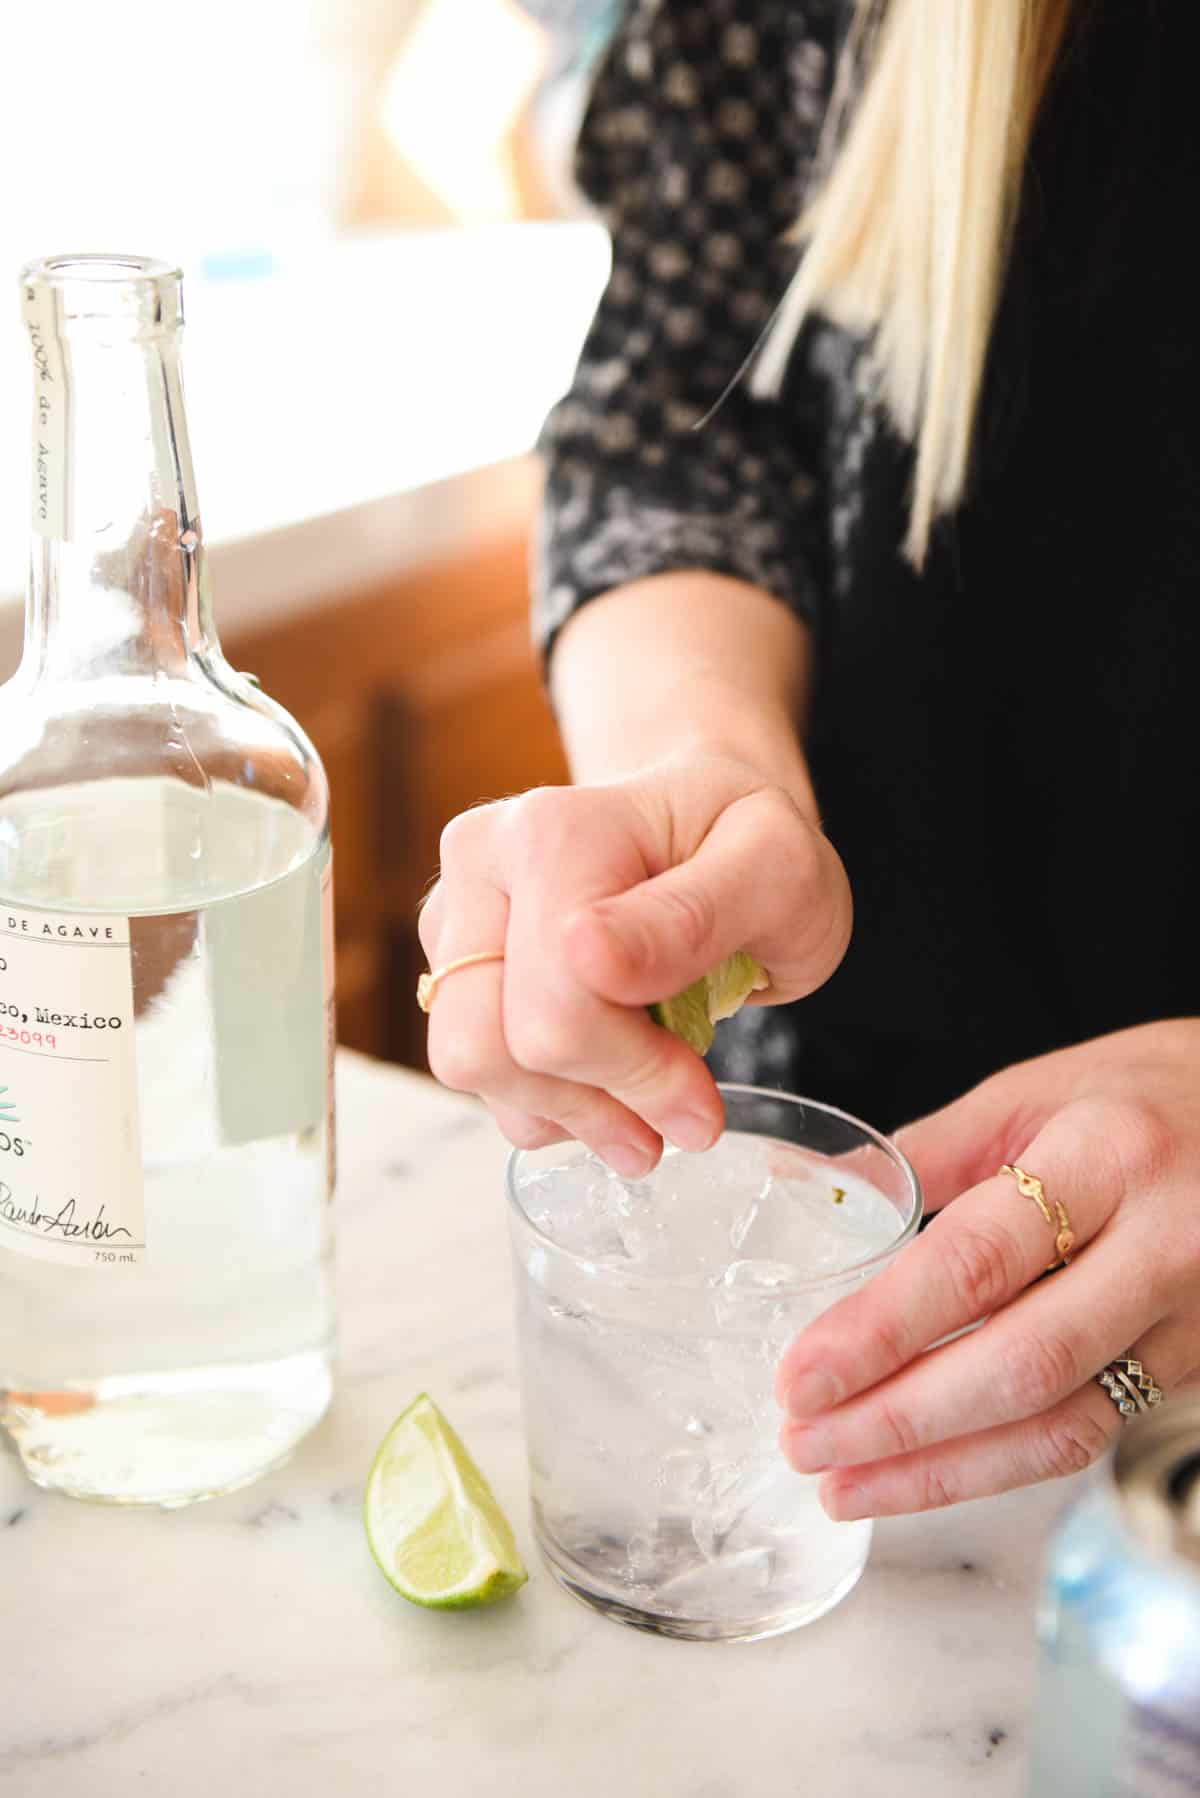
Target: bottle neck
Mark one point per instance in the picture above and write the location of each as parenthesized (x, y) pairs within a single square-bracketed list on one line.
[(117, 581)]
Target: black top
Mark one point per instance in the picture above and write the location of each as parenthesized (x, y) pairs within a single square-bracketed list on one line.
[(1005, 748)]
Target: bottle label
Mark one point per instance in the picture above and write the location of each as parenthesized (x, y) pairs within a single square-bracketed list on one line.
[(267, 998), (71, 1187), (49, 412)]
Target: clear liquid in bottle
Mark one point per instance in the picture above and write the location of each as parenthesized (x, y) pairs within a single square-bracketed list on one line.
[(166, 1146)]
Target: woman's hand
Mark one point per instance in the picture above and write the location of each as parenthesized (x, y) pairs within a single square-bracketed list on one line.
[(605, 898), (1112, 1129)]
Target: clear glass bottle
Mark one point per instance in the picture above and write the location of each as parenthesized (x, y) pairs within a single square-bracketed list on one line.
[(166, 1128), (1117, 1696)]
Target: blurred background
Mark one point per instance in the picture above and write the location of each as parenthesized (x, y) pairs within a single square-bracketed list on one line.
[(388, 278)]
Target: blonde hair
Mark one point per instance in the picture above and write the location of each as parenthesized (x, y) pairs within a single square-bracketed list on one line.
[(907, 235)]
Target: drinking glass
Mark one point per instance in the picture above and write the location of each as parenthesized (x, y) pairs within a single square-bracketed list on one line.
[(651, 1318)]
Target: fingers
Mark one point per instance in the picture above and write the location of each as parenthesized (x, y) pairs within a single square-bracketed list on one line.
[(525, 1131), (762, 879), (972, 1260), (461, 1043), (545, 876), (468, 1053), (958, 1146), (1062, 1440), (468, 1048), (659, 1087), (962, 1144), (557, 1027), (1031, 1356)]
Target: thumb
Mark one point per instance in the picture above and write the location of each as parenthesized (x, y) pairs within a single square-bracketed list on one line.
[(763, 880)]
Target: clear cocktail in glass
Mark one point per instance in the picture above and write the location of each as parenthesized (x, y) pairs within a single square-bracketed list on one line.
[(651, 1318)]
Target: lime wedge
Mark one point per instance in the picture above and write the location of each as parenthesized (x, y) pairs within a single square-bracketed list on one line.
[(432, 1522), (686, 1015), (692, 1013)]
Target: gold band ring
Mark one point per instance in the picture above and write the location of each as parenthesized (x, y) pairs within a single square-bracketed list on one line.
[(428, 984), (1130, 1386), (1030, 1187)]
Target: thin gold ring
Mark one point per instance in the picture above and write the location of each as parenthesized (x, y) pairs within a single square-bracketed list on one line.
[(428, 984), (1030, 1187)]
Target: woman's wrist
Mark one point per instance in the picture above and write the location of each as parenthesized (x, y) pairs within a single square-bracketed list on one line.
[(767, 747), (684, 666)]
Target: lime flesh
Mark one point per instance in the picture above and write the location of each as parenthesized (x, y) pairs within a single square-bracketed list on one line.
[(432, 1522), (692, 1013)]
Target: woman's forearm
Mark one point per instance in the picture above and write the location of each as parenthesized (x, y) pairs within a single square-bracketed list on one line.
[(684, 661)]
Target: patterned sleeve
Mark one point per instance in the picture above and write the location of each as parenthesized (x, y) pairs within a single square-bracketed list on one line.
[(696, 146)]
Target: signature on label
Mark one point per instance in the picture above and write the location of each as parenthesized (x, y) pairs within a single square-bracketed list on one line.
[(69, 1223)]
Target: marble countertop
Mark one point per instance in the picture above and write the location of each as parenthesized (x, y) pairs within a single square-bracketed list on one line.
[(249, 1646)]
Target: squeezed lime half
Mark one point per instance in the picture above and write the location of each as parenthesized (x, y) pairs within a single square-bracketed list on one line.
[(692, 1013)]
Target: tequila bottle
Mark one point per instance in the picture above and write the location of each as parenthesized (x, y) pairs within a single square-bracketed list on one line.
[(166, 1126)]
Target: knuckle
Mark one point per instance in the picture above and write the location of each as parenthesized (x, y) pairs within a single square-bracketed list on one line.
[(778, 815), (936, 1489), (643, 1079), (898, 1427), (542, 1042), (458, 1062), (1090, 1118), (462, 836), (887, 1345), (985, 1263), (429, 919), (1128, 1136), (581, 1111), (794, 845), (1142, 1139), (1039, 1370), (535, 816), (689, 915), (827, 938), (1070, 1443), (526, 1132), (809, 896)]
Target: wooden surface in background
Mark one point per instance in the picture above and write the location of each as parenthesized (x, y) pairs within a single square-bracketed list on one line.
[(423, 697)]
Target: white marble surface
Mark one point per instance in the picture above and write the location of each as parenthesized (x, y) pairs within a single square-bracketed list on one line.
[(249, 1646)]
